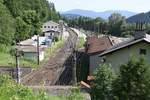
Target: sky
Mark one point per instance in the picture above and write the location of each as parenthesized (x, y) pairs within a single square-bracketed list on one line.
[(102, 5)]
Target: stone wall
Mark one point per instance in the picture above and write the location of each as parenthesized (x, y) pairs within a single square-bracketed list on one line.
[(58, 90)]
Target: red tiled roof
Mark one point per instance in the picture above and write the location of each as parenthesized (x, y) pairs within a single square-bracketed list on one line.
[(95, 44)]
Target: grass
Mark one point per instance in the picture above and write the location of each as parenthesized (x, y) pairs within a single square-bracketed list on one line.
[(10, 90), (80, 43), (51, 51), (7, 60)]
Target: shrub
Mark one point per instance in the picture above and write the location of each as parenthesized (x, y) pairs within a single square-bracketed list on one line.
[(133, 82), (102, 85)]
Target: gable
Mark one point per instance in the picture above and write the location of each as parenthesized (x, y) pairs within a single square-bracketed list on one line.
[(124, 45), (142, 44)]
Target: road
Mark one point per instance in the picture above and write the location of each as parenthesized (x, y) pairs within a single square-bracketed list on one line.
[(49, 73)]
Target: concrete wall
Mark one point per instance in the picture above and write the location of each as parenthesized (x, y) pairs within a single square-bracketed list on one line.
[(122, 56), (59, 90)]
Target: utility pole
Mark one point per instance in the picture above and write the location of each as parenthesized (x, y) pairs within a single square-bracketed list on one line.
[(17, 55), (38, 50)]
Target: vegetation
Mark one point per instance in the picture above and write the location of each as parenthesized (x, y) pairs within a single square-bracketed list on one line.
[(97, 25), (7, 60), (131, 83), (10, 90), (80, 43), (142, 17), (115, 25), (102, 85), (53, 48), (21, 19)]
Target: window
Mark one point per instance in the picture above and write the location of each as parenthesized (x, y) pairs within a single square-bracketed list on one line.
[(103, 60), (142, 51), (44, 26), (52, 27), (48, 26), (55, 26)]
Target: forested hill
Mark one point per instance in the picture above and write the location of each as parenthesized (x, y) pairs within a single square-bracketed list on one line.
[(143, 17), (20, 19)]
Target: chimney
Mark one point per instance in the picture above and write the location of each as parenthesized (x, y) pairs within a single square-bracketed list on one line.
[(139, 32)]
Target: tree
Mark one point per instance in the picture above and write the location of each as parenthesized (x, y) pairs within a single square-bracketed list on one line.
[(117, 23), (133, 82), (32, 19), (22, 29), (7, 28), (20, 19), (102, 85)]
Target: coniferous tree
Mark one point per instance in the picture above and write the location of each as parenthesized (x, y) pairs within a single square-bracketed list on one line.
[(133, 82), (102, 85)]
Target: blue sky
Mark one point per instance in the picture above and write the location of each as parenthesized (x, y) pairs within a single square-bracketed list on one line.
[(102, 5)]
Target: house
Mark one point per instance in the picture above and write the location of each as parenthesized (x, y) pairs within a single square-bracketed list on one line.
[(51, 33), (93, 47), (28, 42), (120, 53), (29, 47), (50, 25), (96, 45), (44, 41), (31, 53), (51, 29)]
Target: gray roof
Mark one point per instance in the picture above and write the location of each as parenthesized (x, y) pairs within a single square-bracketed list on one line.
[(31, 49), (125, 44), (51, 22), (27, 42)]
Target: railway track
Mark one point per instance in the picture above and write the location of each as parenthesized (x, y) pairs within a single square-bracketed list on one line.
[(49, 73)]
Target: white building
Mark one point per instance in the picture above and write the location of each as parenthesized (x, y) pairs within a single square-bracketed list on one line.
[(121, 53), (44, 41), (31, 53), (51, 29), (50, 25)]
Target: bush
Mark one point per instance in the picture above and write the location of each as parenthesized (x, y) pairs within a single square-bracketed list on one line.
[(4, 48), (75, 95), (102, 85), (10, 90), (133, 82), (55, 39)]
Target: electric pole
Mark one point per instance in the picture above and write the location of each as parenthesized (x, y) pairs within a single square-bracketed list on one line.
[(17, 55), (38, 50)]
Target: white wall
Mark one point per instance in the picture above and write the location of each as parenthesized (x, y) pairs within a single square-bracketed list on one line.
[(50, 26), (122, 56)]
